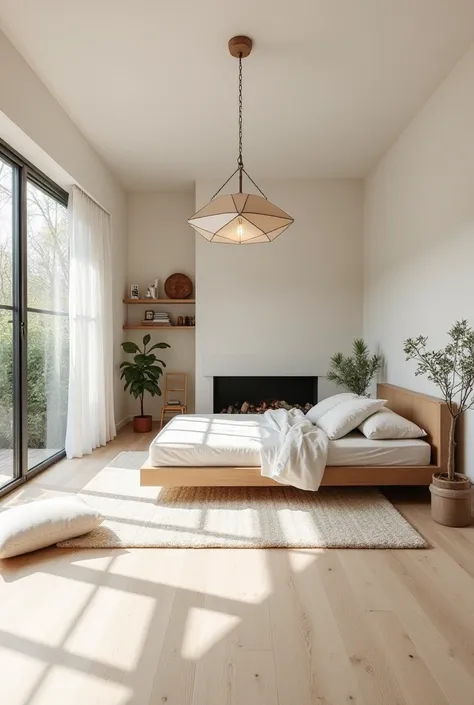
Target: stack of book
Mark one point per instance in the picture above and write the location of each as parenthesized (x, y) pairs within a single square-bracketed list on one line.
[(159, 319)]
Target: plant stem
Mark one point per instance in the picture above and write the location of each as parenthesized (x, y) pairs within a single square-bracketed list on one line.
[(141, 406), (451, 447)]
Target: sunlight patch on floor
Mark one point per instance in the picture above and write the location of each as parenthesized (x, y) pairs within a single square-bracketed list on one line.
[(55, 601), (61, 685), (100, 618), (294, 524), (130, 564), (243, 522), (301, 561), (205, 629), (99, 562), (19, 674), (242, 575)]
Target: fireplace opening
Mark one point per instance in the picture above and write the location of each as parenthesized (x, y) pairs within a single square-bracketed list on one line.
[(254, 395)]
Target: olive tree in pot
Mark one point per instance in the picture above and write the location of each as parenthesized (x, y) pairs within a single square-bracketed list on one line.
[(142, 375), (452, 370)]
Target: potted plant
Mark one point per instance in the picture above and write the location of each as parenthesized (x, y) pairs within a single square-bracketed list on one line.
[(452, 370), (355, 373), (142, 375)]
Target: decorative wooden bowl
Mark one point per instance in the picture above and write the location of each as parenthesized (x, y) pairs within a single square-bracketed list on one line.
[(178, 286)]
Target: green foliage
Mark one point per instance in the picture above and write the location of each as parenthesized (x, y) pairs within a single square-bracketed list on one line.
[(143, 374), (47, 380), (46, 386), (355, 372), (451, 369)]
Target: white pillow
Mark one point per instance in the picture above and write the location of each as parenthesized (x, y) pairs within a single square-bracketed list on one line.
[(315, 413), (34, 525), (385, 424), (347, 416)]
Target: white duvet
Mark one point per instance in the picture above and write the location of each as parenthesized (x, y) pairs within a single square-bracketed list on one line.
[(297, 453)]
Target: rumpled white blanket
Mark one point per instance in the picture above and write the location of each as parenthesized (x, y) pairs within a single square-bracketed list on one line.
[(297, 454)]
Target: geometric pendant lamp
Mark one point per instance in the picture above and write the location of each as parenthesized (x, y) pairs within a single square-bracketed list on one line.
[(240, 218)]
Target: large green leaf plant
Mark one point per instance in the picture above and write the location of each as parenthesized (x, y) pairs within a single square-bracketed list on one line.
[(143, 374)]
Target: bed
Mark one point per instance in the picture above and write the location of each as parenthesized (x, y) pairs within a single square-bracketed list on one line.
[(189, 450)]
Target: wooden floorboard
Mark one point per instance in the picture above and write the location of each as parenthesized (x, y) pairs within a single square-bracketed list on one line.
[(236, 627)]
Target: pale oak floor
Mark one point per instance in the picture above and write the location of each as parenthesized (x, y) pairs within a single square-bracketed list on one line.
[(236, 627)]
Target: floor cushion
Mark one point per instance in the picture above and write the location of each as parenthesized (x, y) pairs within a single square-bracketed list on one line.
[(27, 527)]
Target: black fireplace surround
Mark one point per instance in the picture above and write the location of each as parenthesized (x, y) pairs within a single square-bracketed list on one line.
[(294, 390)]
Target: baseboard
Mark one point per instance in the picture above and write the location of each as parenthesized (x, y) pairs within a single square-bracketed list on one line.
[(123, 423), (129, 419)]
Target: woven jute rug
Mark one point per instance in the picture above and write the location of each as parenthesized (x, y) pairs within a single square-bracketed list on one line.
[(230, 517)]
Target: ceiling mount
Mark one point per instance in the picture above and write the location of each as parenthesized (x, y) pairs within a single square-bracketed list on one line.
[(240, 46)]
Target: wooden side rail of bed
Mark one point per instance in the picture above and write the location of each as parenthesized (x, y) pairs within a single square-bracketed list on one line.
[(428, 412)]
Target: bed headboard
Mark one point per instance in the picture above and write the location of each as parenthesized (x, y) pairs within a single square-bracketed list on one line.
[(429, 413)]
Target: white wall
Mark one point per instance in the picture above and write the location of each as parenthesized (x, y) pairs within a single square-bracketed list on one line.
[(160, 243), (285, 307), (419, 233), (34, 123)]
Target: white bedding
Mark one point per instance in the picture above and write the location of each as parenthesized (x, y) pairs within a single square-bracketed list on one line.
[(356, 449), (298, 454), (236, 439), (211, 440)]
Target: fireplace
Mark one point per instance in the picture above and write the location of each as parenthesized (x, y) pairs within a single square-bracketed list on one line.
[(235, 391)]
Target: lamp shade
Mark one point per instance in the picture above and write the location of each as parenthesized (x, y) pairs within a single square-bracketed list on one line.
[(240, 219)]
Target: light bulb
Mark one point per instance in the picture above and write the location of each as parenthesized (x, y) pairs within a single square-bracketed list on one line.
[(240, 229)]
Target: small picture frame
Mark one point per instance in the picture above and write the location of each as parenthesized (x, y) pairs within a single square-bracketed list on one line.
[(149, 316), (134, 291)]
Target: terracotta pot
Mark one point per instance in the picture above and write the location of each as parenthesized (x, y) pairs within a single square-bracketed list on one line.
[(142, 424), (451, 500)]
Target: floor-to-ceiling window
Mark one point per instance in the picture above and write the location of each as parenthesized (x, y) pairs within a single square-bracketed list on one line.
[(34, 347), (48, 344), (7, 415)]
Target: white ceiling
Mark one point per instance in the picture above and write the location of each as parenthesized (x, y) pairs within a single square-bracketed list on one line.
[(329, 85)]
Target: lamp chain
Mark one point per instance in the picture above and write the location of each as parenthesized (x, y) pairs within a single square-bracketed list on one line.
[(240, 161)]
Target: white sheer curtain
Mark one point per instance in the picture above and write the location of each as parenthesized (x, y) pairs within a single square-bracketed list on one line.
[(90, 421)]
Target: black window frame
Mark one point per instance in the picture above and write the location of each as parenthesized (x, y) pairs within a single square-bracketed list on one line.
[(23, 172)]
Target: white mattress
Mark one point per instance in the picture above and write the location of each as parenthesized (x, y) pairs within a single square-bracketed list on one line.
[(235, 439), (356, 449)]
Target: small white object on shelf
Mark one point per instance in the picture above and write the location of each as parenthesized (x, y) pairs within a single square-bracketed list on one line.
[(152, 290)]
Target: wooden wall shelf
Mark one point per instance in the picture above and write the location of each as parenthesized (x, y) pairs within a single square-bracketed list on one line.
[(151, 302), (139, 326)]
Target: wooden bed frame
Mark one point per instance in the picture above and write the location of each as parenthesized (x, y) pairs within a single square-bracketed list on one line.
[(429, 413)]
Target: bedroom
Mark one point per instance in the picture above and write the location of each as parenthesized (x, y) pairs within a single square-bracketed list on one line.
[(138, 109)]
